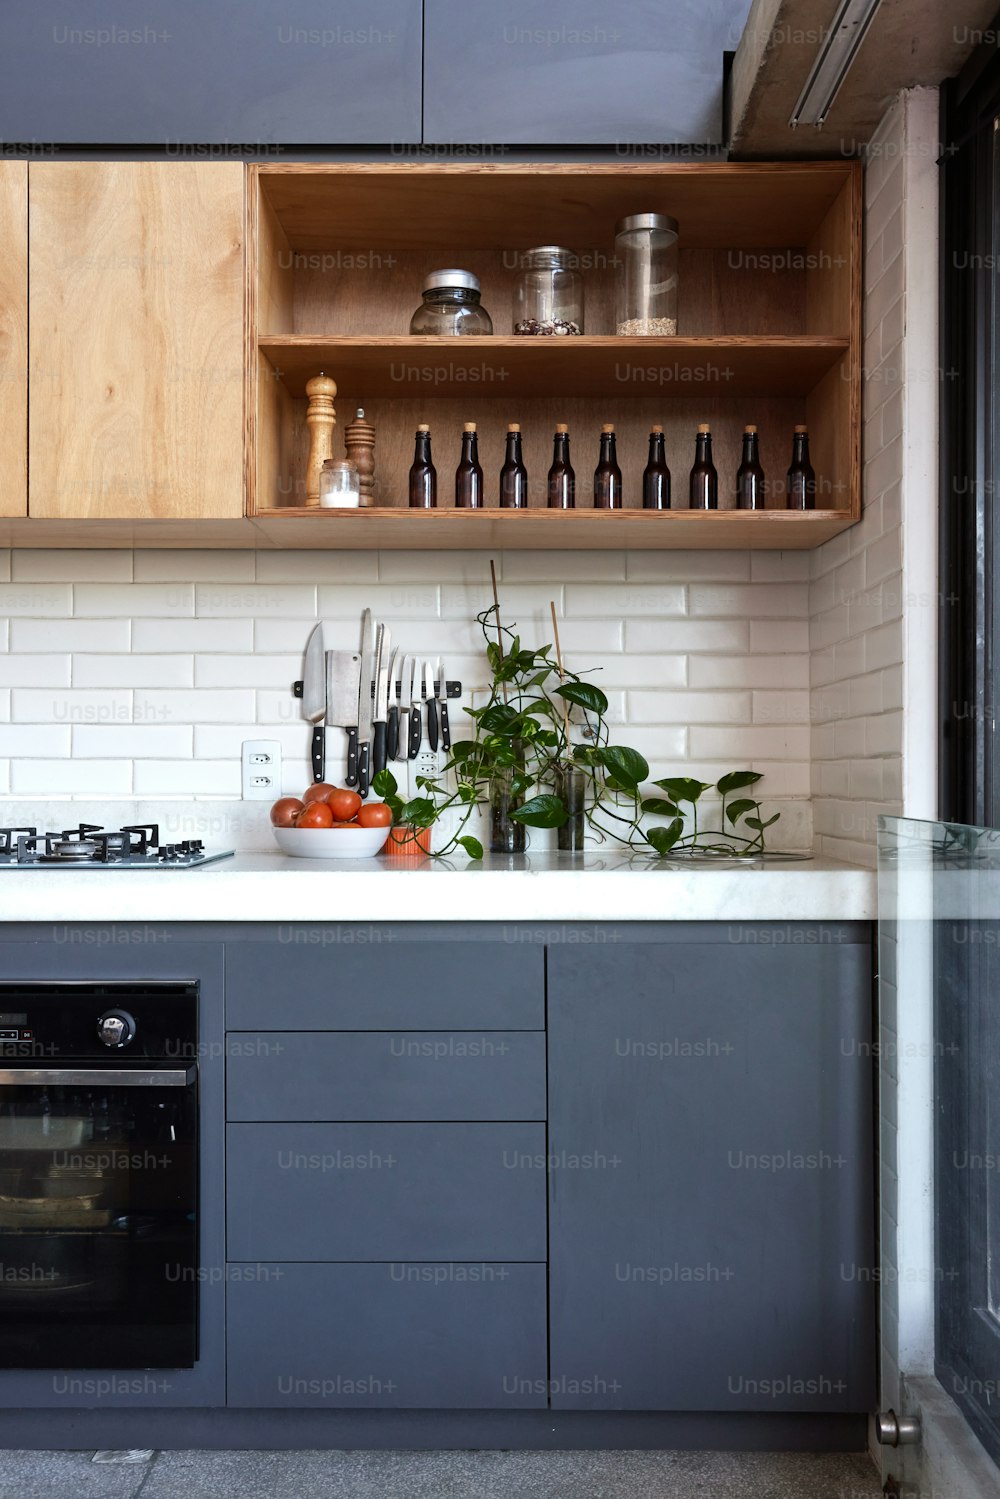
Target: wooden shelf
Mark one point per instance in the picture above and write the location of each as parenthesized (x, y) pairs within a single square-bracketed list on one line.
[(546, 530), (394, 365)]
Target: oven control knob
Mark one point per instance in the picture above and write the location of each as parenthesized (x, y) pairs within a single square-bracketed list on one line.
[(116, 1028)]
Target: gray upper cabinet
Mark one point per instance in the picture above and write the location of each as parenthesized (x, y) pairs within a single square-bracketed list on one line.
[(232, 73), (577, 72)]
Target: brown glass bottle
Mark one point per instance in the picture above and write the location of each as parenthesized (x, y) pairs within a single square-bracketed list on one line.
[(423, 474), (607, 474), (704, 483), (800, 492), (562, 479), (513, 475), (656, 475), (750, 486), (469, 474)]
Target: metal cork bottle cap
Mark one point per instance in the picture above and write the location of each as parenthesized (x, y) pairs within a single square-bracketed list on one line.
[(562, 427), (608, 427), (656, 428), (423, 427), (513, 426), (704, 427), (468, 426)]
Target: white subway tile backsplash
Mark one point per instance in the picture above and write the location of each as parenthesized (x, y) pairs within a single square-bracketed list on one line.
[(687, 567), (5, 705), (585, 600), (193, 566), (547, 569), (4, 634), (250, 600), (749, 671), (211, 705), (38, 671), (4, 564), (753, 600), (519, 602), (133, 741), (191, 778), (789, 742), (322, 567), (632, 670), (164, 636), (689, 707), (51, 565), (247, 671), (779, 567), (781, 707), (133, 671), (69, 706), (31, 635), (686, 636), (44, 600), (71, 777), (775, 637), (33, 739), (110, 600), (420, 598)]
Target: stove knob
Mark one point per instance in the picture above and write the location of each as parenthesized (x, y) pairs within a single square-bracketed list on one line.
[(116, 1028)]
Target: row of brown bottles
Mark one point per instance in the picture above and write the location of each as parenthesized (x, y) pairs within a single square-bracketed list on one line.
[(751, 484)]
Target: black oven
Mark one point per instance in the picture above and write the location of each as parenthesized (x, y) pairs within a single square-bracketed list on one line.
[(98, 1176)]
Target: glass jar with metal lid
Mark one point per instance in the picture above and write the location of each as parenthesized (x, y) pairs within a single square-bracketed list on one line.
[(451, 306), (646, 299), (548, 292)]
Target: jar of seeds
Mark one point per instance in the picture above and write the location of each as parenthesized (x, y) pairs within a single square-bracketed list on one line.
[(548, 293), (646, 297)]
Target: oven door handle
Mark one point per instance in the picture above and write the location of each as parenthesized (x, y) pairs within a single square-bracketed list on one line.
[(97, 1077)]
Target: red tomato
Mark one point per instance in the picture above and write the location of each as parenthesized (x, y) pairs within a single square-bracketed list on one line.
[(320, 791), (284, 812), (374, 815), (344, 805), (316, 815)]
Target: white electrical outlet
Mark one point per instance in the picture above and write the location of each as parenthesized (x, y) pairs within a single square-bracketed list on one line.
[(261, 773), (427, 762)]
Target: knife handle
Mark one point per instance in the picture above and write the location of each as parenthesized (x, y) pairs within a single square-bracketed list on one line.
[(413, 748), (351, 778), (378, 746), (363, 770), (445, 725), (318, 754), (392, 733), (432, 723)]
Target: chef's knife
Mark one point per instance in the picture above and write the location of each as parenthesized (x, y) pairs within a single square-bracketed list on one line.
[(365, 701), (314, 698), (405, 698), (343, 670), (443, 706), (432, 717), (392, 719), (413, 745), (383, 638)]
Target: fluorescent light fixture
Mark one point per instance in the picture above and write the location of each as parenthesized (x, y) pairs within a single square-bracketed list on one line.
[(833, 61)]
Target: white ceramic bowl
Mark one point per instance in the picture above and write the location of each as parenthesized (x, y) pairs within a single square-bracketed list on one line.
[(331, 843)]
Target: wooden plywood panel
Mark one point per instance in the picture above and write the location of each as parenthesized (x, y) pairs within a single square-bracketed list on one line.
[(14, 337)]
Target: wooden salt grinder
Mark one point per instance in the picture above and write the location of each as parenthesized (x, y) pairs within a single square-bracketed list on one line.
[(321, 418), (359, 443)]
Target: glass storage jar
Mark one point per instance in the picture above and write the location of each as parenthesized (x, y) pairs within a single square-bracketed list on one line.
[(646, 299), (548, 292), (339, 485), (451, 306)]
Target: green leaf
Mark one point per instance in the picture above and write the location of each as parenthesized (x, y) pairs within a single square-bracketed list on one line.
[(472, 846), (493, 654), (735, 810), (542, 811), (683, 788), (626, 766), (585, 695), (755, 822), (501, 755), (501, 718), (385, 784), (659, 807), (586, 754), (663, 839), (419, 813), (737, 779)]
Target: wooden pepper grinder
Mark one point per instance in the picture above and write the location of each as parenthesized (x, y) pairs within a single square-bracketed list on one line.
[(359, 442), (321, 418)]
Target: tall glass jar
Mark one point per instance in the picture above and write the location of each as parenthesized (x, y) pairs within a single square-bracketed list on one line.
[(646, 299), (548, 292), (451, 306)]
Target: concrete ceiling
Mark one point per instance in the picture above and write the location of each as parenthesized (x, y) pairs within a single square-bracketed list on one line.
[(909, 43)]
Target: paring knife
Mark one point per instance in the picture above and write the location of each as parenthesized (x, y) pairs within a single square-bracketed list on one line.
[(432, 717), (343, 669), (314, 698), (383, 639), (443, 705), (413, 744), (405, 698), (392, 718), (365, 701)]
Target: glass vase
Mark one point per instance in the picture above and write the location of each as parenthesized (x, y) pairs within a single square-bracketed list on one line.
[(571, 787), (506, 835)]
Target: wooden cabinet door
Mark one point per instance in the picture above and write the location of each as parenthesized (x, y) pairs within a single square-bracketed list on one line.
[(136, 341), (14, 337)]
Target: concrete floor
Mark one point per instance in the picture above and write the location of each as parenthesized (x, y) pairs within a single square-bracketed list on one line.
[(436, 1475)]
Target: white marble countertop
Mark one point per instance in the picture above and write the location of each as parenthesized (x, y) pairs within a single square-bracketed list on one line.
[(533, 887)]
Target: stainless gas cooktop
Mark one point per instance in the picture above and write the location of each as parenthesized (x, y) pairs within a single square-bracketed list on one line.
[(89, 846)]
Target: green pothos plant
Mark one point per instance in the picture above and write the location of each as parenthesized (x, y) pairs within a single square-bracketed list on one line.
[(536, 721)]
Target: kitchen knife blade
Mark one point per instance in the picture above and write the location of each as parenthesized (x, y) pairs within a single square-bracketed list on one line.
[(443, 705), (405, 696), (392, 718), (413, 744), (365, 700), (343, 674), (384, 638), (314, 698), (432, 717)]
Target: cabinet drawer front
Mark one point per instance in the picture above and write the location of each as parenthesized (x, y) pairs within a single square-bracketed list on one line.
[(386, 1192), (384, 985), (429, 1336), (385, 1075)]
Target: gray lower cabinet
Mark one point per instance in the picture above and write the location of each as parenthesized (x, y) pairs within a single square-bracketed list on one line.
[(386, 1192), (427, 1336), (710, 1192)]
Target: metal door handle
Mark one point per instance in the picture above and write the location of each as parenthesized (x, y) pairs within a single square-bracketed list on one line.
[(98, 1077)]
